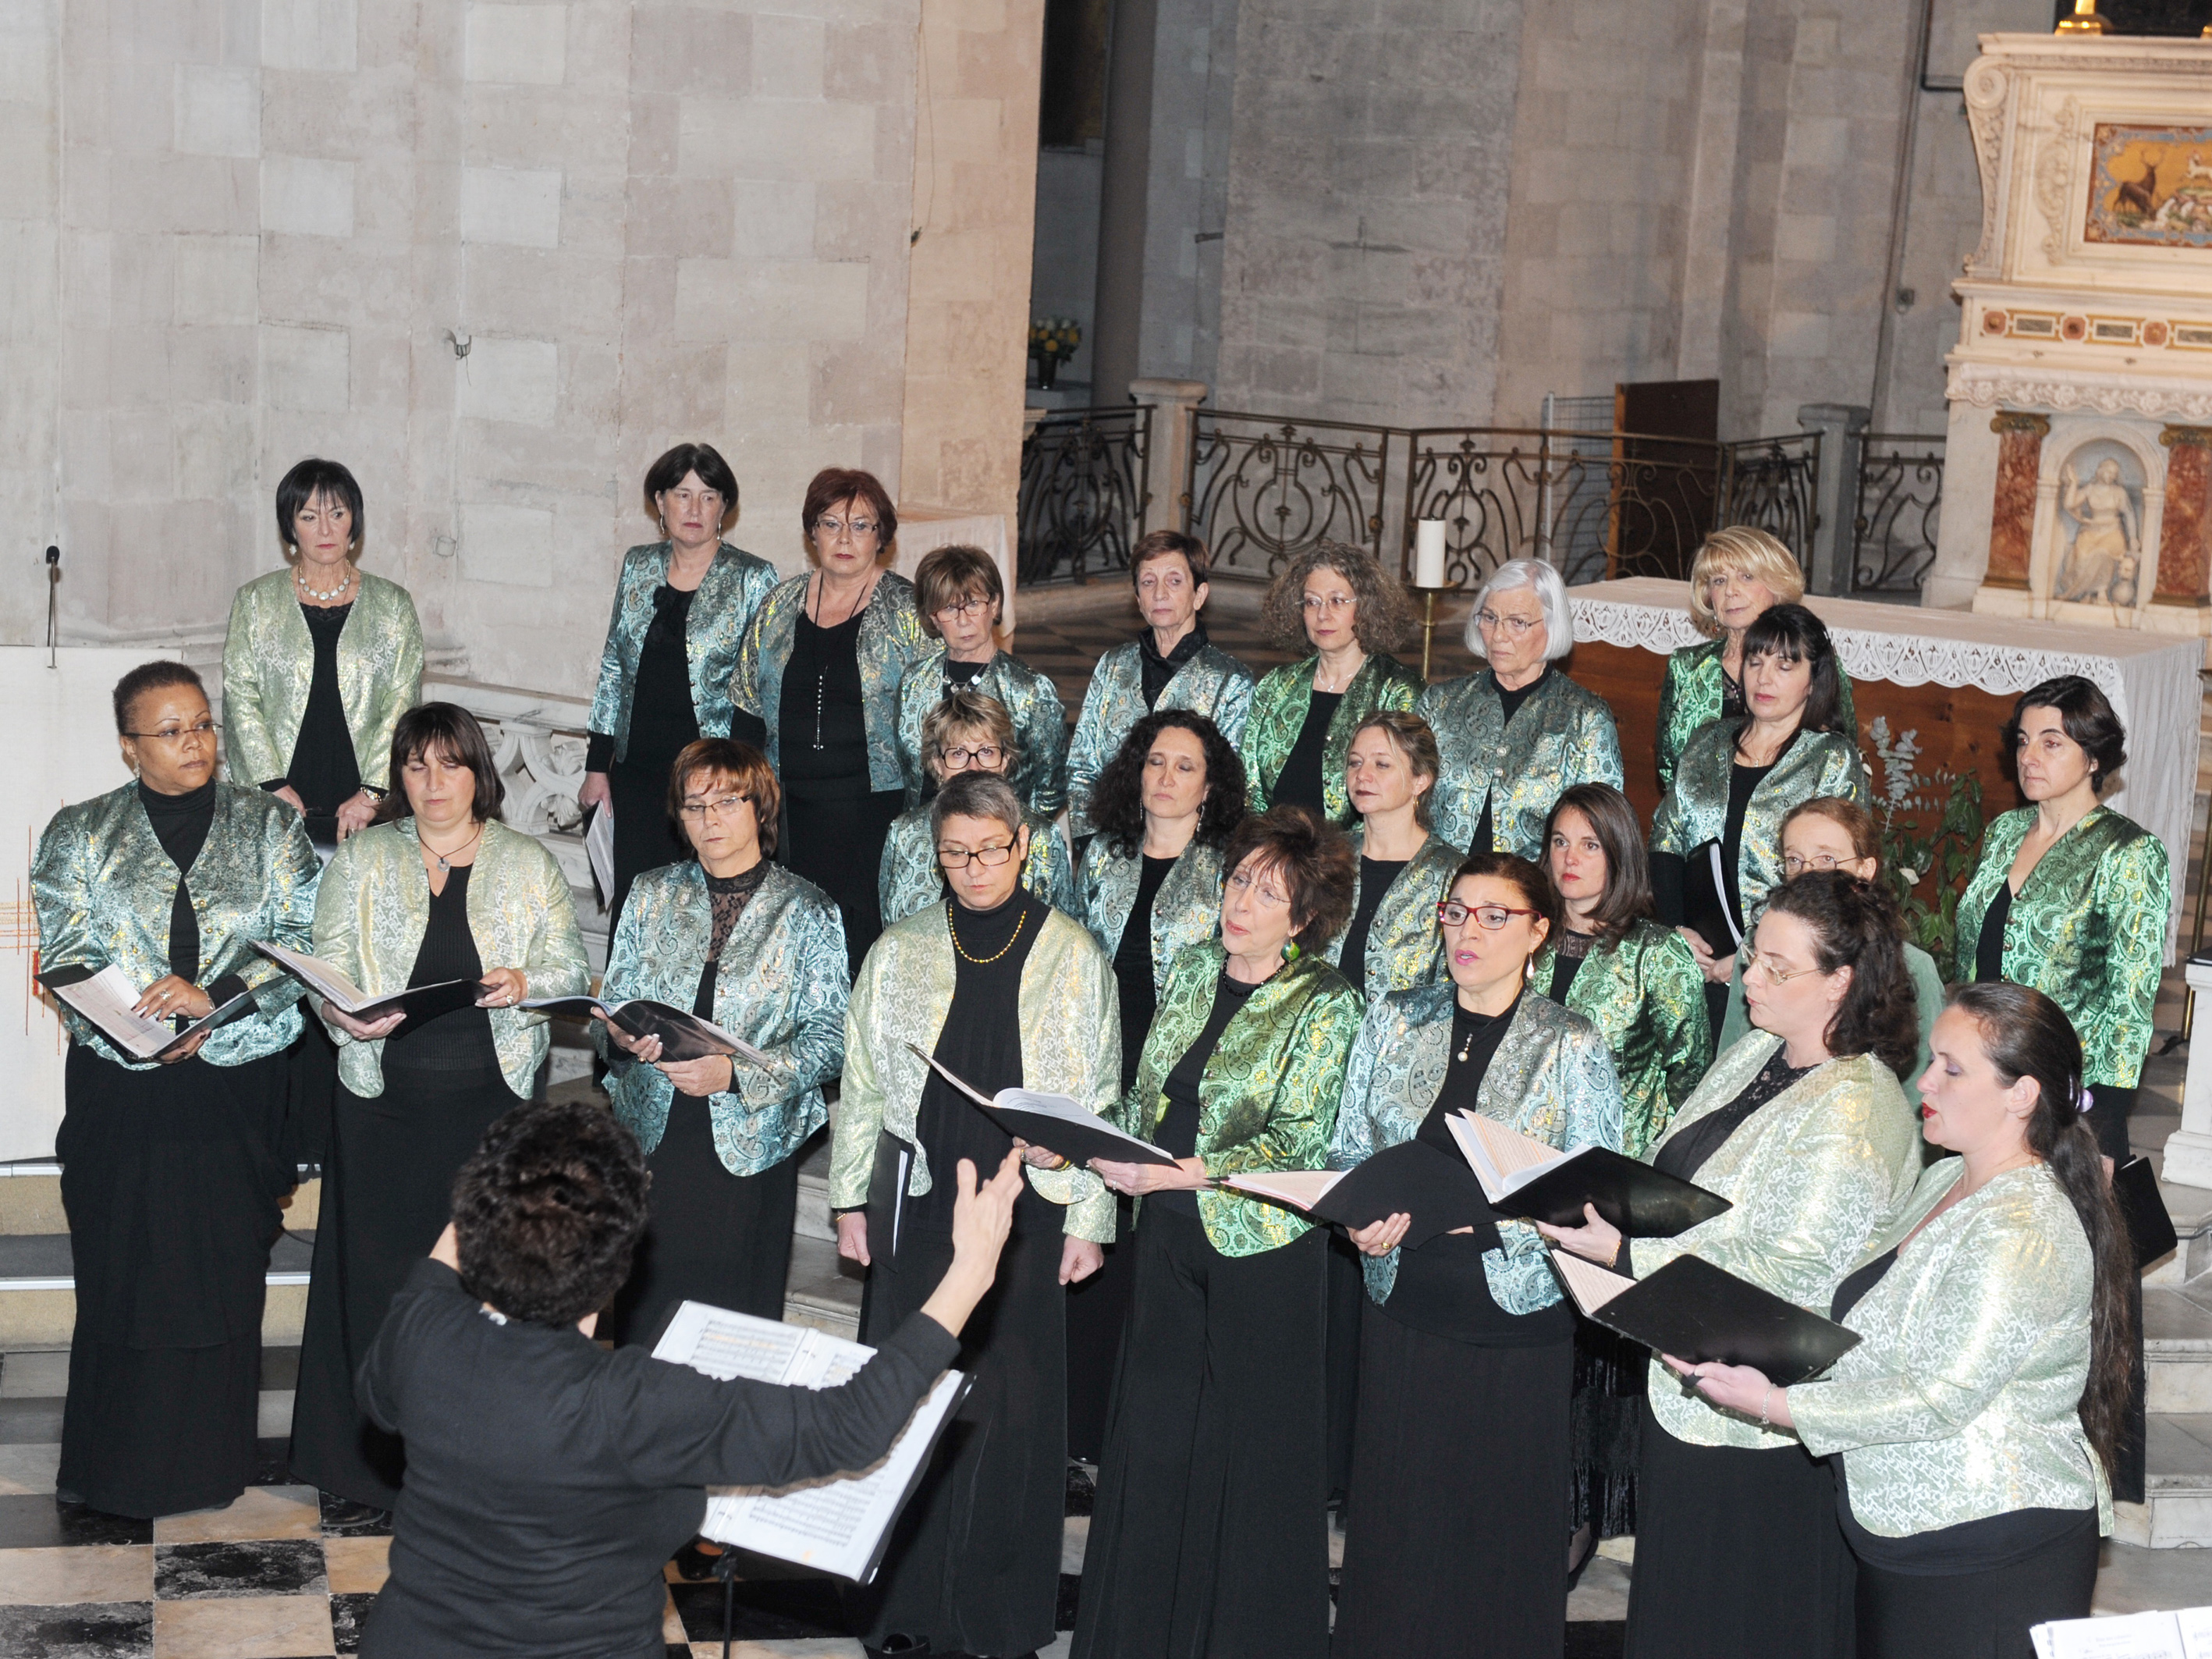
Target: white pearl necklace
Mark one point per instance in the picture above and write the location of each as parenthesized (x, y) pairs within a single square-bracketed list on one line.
[(299, 581)]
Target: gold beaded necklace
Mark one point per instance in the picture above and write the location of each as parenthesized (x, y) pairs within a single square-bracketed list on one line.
[(1020, 922)]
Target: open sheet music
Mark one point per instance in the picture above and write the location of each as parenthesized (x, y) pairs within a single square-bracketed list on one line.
[(1696, 1312), (684, 1036), (1523, 1177), (1435, 1191), (419, 1002), (2184, 1635), (839, 1525), (110, 1000), (1056, 1123)]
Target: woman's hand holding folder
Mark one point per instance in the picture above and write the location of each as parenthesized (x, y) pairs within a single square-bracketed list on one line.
[(1743, 1389), (1137, 1179), (1596, 1240)]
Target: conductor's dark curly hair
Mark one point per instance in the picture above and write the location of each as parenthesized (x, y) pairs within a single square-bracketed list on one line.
[(548, 1212), (1117, 800), (1382, 618), (1315, 863), (1856, 925)]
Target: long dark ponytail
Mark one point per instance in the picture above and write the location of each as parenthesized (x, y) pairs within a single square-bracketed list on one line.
[(2025, 1034)]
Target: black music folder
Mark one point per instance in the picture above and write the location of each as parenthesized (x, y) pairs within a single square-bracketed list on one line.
[(684, 1036), (1696, 1312), (420, 1003), (1523, 1178), (1055, 1122), (2150, 1229), (1437, 1191)]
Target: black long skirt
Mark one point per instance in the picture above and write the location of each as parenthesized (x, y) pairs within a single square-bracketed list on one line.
[(712, 1237), (170, 1186), (974, 1563), (1209, 1535), (1342, 1362), (1977, 1615), (387, 1194), (1607, 1417), (311, 1069), (1097, 1310), (637, 789), (1455, 1543), (1739, 1554), (834, 832)]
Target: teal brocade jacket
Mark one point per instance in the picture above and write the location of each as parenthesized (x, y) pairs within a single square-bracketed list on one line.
[(1562, 735), (1690, 699), (268, 667), (890, 641), (780, 987), (714, 633), (1186, 910), (1405, 943), (1040, 777), (373, 908), (103, 890), (1268, 1098), (1551, 1079), (1212, 684), (1647, 999), (910, 878), (2088, 929), (1963, 1399), (1279, 704)]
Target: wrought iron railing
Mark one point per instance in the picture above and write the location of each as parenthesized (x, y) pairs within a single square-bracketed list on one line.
[(1085, 478), (1901, 497), (1773, 484), (1267, 488)]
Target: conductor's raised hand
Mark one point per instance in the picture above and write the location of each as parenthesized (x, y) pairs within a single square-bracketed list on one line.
[(1381, 1237), (981, 1218)]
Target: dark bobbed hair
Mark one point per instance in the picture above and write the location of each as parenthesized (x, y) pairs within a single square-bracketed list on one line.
[(1416, 744), (2087, 716), (1158, 543), (704, 460), (833, 486), (1117, 800), (2025, 1034), (307, 480), (745, 766), (548, 1211), (1317, 864), (1383, 617), (1536, 889), (950, 573), (1848, 816), (451, 732), (1627, 898), (976, 795), (1795, 635), (158, 676), (1856, 925)]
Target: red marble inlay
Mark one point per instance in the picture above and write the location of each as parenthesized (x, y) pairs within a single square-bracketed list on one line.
[(2153, 333), (2074, 328), (2012, 514), (2184, 559), (1993, 322)]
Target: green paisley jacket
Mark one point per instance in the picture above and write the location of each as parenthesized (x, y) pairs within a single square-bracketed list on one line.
[(1562, 735), (1690, 699), (890, 641), (1268, 1098), (2088, 929), (1279, 704), (1405, 946), (1551, 1079), (1186, 910), (780, 987), (911, 879), (103, 889), (1212, 684), (1032, 701), (1647, 999), (714, 633), (269, 666)]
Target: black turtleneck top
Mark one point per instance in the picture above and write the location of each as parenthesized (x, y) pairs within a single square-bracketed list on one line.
[(1511, 701), (1158, 670), (181, 823)]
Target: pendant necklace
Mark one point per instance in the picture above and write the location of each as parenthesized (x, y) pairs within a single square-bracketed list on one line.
[(445, 860), (1020, 921), (300, 580)]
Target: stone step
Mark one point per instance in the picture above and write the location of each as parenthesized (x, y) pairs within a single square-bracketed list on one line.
[(2177, 1347), (2176, 1513)]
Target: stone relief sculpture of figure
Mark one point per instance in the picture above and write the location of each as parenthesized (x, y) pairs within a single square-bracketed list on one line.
[(2101, 566)]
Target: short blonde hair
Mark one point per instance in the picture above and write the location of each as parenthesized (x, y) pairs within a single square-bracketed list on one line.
[(967, 711), (1754, 554)]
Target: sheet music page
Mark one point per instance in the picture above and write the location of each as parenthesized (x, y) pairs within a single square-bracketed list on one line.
[(324, 980), (954, 1079), (723, 1344), (107, 1000), (2196, 1632), (1591, 1285), (2134, 1636), (599, 847), (1304, 1188)]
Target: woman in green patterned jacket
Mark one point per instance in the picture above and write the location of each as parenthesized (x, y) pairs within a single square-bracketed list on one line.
[(1210, 1534), (1391, 943), (1350, 612)]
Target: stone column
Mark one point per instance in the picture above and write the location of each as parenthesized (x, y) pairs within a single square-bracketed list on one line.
[(2012, 511), (1117, 315), (1167, 505), (1842, 428), (2189, 1149), (2185, 540)]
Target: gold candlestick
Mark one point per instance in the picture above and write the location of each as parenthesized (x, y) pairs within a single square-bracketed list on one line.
[(1428, 626), (2084, 20)]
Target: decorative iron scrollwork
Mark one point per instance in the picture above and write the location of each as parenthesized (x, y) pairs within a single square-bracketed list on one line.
[(1085, 478), (1900, 499)]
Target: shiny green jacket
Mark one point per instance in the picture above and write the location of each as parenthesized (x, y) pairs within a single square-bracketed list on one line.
[(714, 633), (1695, 808), (1963, 1400), (1551, 1079), (1268, 1098), (1032, 701), (1647, 999), (780, 987), (1071, 1037), (269, 666), (910, 878), (890, 640), (1405, 946), (2088, 929), (1690, 699), (373, 908), (1186, 910), (1562, 735), (1927, 1003), (1212, 684), (103, 890), (1813, 1175), (1279, 704)]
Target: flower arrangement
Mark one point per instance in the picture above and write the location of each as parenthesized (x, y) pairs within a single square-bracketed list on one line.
[(1912, 852), (1053, 341)]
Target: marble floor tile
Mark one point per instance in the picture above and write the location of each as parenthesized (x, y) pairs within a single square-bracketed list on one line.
[(97, 1572), (258, 1512), (274, 1416), (29, 1468), (348, 1613), (1600, 1593), (34, 1522), (357, 1566), (116, 1630), (330, 1528), (267, 1566), (244, 1627), (24, 1422)]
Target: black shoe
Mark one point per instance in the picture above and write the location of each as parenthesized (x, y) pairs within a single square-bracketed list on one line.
[(63, 1495), (347, 1512), (696, 1566)]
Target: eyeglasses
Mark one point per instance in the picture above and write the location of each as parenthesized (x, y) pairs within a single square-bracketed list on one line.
[(698, 812), (1316, 603), (990, 856), (832, 528), (178, 733), (1794, 866), (1243, 882), (1766, 969), (964, 608), (983, 754), (1453, 913), (1518, 627)]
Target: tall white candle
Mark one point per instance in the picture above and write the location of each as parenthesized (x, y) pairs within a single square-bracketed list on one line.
[(1429, 553)]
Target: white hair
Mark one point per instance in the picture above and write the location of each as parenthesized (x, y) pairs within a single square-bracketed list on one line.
[(1551, 594)]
